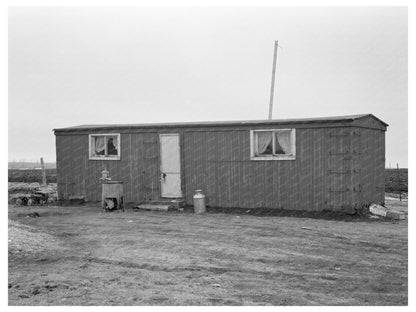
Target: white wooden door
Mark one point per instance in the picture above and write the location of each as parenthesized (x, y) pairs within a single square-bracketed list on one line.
[(170, 166)]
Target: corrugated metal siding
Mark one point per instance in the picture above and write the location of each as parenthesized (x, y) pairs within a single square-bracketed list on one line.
[(71, 173), (335, 168), (325, 175), (343, 185), (372, 166), (138, 167), (219, 163)]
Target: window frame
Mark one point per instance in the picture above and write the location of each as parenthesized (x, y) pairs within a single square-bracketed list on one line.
[(104, 157), (253, 141)]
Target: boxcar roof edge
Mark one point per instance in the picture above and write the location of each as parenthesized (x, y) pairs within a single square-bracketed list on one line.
[(333, 119)]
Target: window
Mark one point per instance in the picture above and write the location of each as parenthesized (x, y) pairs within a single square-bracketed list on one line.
[(105, 146), (279, 144)]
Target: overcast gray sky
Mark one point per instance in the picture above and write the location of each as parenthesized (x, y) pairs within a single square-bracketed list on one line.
[(71, 66)]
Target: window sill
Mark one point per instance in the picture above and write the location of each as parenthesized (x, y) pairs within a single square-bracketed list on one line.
[(104, 158), (283, 157)]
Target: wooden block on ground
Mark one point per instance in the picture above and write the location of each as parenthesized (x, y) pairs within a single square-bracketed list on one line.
[(396, 215), (155, 207)]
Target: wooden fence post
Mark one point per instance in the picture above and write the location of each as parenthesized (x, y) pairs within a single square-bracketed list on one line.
[(42, 164), (398, 182)]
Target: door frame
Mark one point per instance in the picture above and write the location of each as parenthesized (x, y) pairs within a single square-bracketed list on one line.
[(180, 163)]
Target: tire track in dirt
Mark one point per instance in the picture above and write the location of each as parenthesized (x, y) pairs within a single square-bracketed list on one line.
[(277, 273)]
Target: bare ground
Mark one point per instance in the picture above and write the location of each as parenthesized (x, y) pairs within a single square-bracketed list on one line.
[(78, 256)]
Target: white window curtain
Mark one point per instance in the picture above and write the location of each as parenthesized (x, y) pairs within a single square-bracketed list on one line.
[(264, 139), (99, 145), (283, 138)]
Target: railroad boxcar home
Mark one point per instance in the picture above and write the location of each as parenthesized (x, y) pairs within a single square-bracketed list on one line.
[(334, 163)]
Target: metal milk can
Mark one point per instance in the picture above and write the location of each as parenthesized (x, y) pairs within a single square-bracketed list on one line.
[(105, 175), (199, 202)]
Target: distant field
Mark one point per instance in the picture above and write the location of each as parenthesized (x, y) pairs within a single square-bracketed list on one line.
[(30, 165), (31, 175), (396, 182)]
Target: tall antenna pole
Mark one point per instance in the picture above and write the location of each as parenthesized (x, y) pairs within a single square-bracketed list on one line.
[(273, 78)]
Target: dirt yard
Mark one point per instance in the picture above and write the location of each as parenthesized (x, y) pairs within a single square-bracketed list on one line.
[(79, 256)]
